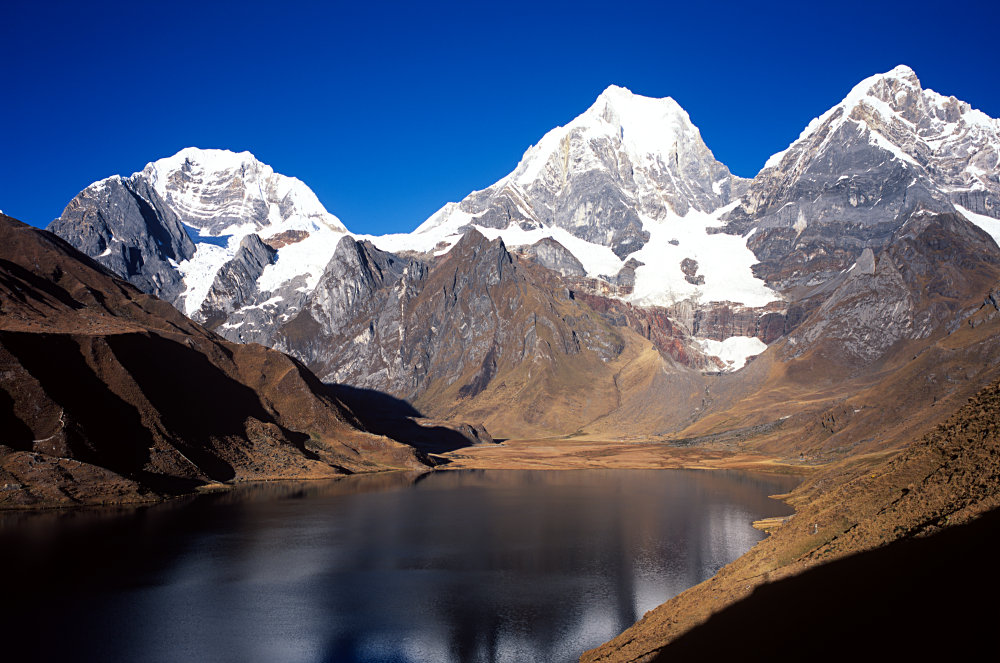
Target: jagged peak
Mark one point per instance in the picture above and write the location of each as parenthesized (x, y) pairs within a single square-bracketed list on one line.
[(881, 88), (472, 240), (473, 244), (890, 96), (207, 170), (901, 71), (202, 161), (646, 128), (635, 108), (209, 159), (361, 259)]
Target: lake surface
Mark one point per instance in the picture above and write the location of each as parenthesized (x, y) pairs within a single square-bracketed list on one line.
[(449, 566)]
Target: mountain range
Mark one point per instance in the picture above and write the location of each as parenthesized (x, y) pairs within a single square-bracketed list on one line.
[(206, 321), (612, 276)]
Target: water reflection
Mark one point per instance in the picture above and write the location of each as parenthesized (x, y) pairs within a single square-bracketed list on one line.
[(451, 566)]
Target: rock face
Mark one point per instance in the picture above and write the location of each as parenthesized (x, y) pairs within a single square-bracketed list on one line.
[(353, 325), (651, 323), (235, 283), (406, 328), (550, 254), (919, 284), (128, 228), (109, 394), (857, 172)]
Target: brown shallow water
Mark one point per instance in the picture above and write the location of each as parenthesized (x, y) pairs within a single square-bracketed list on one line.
[(448, 566)]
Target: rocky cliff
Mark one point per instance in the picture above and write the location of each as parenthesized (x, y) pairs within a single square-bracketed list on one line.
[(856, 173)]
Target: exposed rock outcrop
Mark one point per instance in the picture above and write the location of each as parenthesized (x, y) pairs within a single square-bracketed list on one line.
[(125, 225), (859, 170), (920, 284), (235, 283), (550, 254)]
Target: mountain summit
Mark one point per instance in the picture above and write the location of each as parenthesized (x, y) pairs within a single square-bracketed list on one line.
[(858, 170), (626, 160)]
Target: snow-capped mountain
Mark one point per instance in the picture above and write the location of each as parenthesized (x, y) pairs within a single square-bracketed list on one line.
[(628, 188), (625, 201), (225, 197), (229, 217), (630, 178), (855, 173)]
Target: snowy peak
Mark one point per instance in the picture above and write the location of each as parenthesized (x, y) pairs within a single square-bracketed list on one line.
[(898, 92), (913, 123), (217, 190), (649, 132), (596, 185), (856, 173), (646, 126), (219, 200)]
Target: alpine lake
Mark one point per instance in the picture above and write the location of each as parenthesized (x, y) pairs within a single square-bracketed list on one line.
[(460, 565)]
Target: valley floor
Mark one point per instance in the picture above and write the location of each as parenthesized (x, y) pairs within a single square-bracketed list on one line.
[(577, 454)]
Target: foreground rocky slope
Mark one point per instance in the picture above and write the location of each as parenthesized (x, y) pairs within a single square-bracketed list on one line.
[(948, 478), (109, 394)]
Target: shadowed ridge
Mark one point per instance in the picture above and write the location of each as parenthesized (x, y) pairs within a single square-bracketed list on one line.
[(912, 599), (110, 394)]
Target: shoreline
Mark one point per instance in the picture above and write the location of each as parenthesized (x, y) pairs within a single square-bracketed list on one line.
[(576, 454), (560, 454)]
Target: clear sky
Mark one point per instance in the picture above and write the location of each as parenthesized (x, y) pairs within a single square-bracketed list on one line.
[(389, 110)]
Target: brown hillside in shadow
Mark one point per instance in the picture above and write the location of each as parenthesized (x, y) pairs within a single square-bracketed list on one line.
[(111, 395)]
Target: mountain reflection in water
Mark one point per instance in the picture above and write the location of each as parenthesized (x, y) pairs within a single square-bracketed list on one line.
[(448, 566)]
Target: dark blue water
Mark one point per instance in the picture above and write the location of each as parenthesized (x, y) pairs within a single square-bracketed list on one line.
[(450, 566)]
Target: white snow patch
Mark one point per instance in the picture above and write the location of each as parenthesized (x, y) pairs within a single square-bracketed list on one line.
[(440, 236), (724, 260), (734, 350), (800, 223), (199, 272), (442, 226), (987, 224), (307, 258), (597, 260)]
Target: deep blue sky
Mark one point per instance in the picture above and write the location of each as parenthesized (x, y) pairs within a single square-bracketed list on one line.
[(389, 110)]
